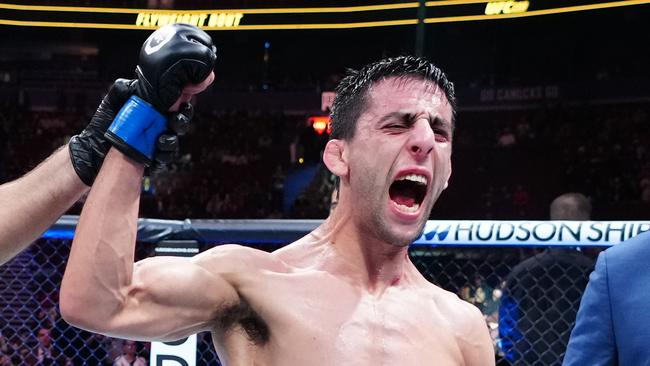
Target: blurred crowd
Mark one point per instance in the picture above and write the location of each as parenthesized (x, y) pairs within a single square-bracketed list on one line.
[(507, 163)]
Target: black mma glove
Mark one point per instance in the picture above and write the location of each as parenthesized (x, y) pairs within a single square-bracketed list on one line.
[(88, 149), (167, 146), (171, 58)]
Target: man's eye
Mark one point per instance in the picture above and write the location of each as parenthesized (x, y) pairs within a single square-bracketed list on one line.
[(441, 134)]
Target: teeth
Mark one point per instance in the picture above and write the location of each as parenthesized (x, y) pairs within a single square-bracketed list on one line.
[(417, 178), (407, 208)]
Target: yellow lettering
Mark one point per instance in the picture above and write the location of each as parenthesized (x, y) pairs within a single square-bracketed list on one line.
[(185, 18), (219, 20), (238, 17), (507, 6), (493, 8), (194, 19), (213, 20), (201, 20), (521, 6), (164, 20), (230, 19), (139, 19), (154, 19)]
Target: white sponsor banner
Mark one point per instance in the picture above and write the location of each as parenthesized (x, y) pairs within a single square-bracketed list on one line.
[(522, 233), (177, 353)]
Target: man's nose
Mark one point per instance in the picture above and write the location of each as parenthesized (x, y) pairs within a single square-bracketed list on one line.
[(422, 140)]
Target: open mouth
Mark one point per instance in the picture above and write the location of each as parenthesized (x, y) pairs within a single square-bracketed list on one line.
[(408, 191)]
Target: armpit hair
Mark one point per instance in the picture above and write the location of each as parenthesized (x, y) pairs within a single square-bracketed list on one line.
[(243, 315)]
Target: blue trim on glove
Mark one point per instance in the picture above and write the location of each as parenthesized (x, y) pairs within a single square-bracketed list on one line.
[(138, 125)]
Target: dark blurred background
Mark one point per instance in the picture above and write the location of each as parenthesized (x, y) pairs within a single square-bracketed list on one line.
[(547, 104)]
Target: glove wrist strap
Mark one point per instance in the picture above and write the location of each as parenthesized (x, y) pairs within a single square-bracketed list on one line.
[(137, 127)]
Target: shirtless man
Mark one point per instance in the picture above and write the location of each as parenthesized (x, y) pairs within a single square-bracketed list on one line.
[(345, 294)]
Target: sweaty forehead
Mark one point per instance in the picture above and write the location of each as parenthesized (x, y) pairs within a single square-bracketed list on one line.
[(408, 94)]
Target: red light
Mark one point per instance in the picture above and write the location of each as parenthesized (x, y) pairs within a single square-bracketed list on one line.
[(320, 123)]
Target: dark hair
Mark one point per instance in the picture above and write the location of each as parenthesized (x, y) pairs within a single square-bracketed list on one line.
[(351, 92)]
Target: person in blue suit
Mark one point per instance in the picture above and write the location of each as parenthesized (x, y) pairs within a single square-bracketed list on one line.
[(613, 323)]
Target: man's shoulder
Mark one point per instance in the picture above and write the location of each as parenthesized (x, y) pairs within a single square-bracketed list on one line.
[(636, 248), (463, 319), (626, 261), (241, 257), (452, 307)]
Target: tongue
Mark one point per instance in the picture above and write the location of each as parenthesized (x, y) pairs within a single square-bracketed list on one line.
[(404, 200)]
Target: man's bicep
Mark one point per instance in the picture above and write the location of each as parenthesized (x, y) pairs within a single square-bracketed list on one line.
[(170, 298)]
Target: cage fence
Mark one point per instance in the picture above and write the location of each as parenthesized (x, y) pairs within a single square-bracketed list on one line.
[(528, 293)]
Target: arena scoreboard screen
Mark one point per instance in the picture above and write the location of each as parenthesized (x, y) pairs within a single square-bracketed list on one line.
[(340, 17)]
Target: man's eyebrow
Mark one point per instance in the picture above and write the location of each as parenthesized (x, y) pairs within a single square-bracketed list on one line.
[(396, 115), (409, 117), (437, 120)]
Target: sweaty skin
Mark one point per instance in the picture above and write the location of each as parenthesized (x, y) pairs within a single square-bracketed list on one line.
[(346, 294)]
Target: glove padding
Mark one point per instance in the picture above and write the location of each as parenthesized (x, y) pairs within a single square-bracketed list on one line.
[(171, 58), (88, 149)]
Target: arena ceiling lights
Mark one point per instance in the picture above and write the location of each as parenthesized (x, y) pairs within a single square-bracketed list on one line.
[(399, 14)]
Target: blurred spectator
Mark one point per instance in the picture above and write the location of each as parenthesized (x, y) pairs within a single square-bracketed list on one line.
[(47, 353), (5, 360), (5, 352), (542, 294), (129, 355), (479, 293), (113, 349), (507, 138), (79, 346)]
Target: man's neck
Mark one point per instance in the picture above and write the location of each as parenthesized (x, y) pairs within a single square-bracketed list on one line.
[(364, 259)]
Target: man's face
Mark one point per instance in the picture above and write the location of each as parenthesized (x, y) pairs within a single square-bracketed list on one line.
[(129, 347), (400, 158), (44, 337)]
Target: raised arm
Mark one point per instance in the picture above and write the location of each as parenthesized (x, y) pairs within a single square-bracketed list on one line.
[(102, 290), (29, 205), (156, 299)]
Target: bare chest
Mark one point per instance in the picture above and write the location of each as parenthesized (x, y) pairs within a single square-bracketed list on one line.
[(324, 321)]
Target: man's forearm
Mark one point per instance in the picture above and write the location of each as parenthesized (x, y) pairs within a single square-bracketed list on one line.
[(31, 204), (100, 267)]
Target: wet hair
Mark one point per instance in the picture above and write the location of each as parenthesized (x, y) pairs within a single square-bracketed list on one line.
[(571, 206), (351, 93)]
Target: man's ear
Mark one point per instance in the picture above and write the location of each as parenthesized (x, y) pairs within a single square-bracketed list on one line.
[(335, 157)]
